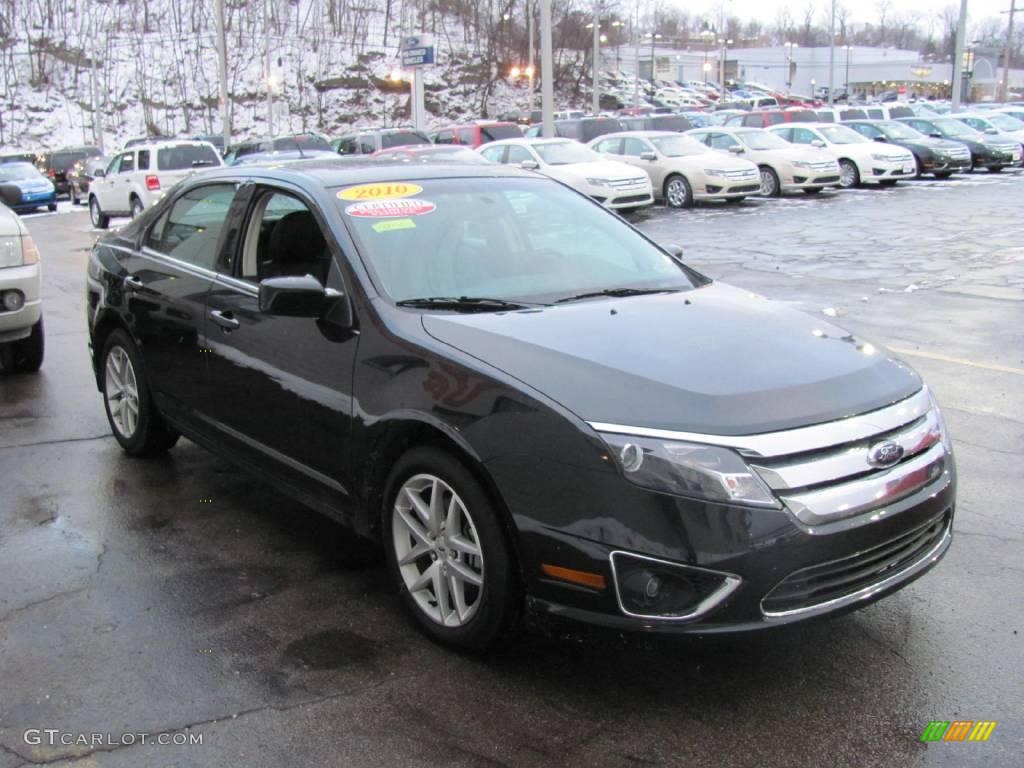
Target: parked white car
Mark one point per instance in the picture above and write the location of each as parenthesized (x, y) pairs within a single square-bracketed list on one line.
[(861, 161), (996, 124), (784, 167), (613, 184), (682, 169), (141, 175), (21, 307)]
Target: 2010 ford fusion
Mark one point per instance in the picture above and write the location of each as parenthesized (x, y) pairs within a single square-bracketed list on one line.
[(533, 407)]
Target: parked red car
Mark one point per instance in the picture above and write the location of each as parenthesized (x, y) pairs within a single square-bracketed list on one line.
[(768, 117), (475, 134)]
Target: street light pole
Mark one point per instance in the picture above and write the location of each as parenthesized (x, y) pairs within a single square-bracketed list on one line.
[(1006, 52), (636, 42), (958, 57), (831, 57), (266, 53), (547, 72), (222, 70), (595, 96), (723, 52), (846, 87), (530, 68)]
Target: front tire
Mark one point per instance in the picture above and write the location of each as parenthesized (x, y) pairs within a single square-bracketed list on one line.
[(51, 207), (25, 355), (678, 192), (99, 219), (943, 174), (995, 168), (770, 186), (888, 182), (136, 423), (849, 175), (448, 552), (813, 191), (75, 199)]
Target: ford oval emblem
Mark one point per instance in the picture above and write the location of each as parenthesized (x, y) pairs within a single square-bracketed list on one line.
[(884, 454)]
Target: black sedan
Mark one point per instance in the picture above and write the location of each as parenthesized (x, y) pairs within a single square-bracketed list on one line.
[(986, 151), (81, 174), (534, 409), (939, 157)]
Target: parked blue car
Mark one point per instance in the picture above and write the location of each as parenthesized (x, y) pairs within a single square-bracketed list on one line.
[(23, 188)]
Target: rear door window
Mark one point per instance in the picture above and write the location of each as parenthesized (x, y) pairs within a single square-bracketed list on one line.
[(723, 141), (143, 160), (190, 229), (444, 137), (803, 136), (494, 154), (498, 132), (517, 154)]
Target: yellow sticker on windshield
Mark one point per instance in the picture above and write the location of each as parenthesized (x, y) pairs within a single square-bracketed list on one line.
[(380, 191), (393, 224)]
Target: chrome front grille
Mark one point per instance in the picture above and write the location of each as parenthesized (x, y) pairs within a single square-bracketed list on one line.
[(739, 175), (959, 153), (836, 480), (639, 181), (825, 166)]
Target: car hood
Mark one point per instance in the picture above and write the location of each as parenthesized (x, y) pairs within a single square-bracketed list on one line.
[(715, 360), (600, 169), (801, 153), (713, 158), (928, 142)]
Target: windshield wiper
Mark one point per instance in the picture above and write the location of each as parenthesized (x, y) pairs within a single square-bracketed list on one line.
[(617, 292), (460, 302)]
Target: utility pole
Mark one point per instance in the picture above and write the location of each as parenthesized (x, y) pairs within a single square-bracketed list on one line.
[(958, 57), (1006, 53), (222, 70), (596, 96), (831, 57), (547, 72), (636, 41), (97, 113), (531, 65), (266, 53)]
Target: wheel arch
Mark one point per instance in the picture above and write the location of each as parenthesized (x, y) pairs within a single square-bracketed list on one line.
[(106, 323)]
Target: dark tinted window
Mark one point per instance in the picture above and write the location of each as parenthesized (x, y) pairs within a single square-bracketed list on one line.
[(749, 120), (774, 118), (566, 129), (190, 229), (144, 160), (284, 240), (826, 117), (853, 114), (803, 116), (591, 129), (302, 141), (347, 145), (497, 132), (401, 138), (186, 156), (670, 123), (900, 112), (64, 160), (444, 137)]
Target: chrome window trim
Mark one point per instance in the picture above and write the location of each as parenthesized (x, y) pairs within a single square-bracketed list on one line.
[(842, 500), (730, 583), (800, 440), (865, 593), (195, 269)]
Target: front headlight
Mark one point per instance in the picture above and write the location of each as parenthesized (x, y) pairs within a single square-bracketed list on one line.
[(597, 182), (689, 469), (18, 251), (801, 164), (880, 158), (714, 172), (947, 441)]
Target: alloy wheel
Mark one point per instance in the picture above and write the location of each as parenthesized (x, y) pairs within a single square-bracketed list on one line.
[(437, 550), (94, 211), (122, 392), (677, 193), (768, 183), (847, 174)]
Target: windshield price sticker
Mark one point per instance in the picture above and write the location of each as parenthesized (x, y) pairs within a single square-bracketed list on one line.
[(380, 191), (390, 225), (387, 209)]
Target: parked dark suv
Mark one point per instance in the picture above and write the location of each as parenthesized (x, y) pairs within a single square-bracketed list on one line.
[(55, 165), (584, 129), (529, 404)]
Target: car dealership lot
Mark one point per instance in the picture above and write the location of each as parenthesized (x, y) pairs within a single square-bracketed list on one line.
[(172, 594)]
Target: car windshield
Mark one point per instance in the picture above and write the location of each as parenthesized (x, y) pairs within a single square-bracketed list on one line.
[(18, 171), (678, 146), (525, 240), (1005, 122), (498, 132), (899, 131), (64, 160), (305, 141), (952, 127), (762, 140), (565, 153), (840, 134), (401, 139), (186, 156), (439, 155)]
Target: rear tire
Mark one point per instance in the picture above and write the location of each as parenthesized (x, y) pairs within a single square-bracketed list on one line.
[(943, 174), (995, 168), (429, 551), (888, 182), (99, 219), (136, 207), (136, 423), (849, 175), (51, 207), (812, 191), (75, 199)]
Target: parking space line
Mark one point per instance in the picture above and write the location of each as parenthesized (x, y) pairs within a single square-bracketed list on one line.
[(957, 360)]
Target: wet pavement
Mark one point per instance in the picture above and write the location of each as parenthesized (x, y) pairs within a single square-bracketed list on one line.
[(180, 596)]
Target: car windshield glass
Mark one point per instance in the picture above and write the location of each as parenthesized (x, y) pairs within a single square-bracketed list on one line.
[(565, 153), (591, 129), (18, 171), (678, 146), (670, 123), (186, 156), (951, 127), (64, 160), (899, 131), (1006, 123), (513, 239), (840, 134), (302, 142), (498, 132), (402, 138), (762, 140)]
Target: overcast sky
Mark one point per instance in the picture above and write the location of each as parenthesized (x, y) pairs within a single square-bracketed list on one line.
[(861, 10)]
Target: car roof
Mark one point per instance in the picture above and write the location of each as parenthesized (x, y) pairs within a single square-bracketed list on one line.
[(163, 143), (341, 171)]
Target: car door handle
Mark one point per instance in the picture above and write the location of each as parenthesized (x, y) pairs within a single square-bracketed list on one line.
[(224, 319), (133, 283)]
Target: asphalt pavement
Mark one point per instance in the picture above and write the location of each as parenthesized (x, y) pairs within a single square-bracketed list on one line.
[(179, 596)]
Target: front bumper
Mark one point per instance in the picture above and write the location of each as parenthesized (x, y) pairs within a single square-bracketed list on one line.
[(18, 324), (717, 188), (626, 200), (997, 159), (948, 164), (32, 200), (885, 170)]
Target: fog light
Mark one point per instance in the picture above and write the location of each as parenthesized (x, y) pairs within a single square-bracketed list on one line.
[(650, 588), (13, 300), (632, 457)]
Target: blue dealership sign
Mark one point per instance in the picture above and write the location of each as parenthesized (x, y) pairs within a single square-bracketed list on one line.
[(417, 51)]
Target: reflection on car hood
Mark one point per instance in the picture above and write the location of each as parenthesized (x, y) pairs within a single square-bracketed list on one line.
[(716, 360), (598, 169), (713, 158)]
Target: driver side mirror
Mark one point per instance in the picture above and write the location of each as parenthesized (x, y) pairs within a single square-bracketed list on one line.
[(991, 131), (818, 143), (650, 156), (99, 173), (736, 149), (935, 135), (881, 139), (673, 250), (293, 296), (529, 165)]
